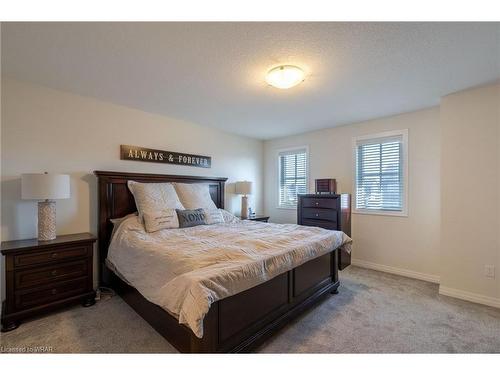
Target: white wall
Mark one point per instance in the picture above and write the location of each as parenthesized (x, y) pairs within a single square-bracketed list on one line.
[(48, 130), (470, 190), (407, 245)]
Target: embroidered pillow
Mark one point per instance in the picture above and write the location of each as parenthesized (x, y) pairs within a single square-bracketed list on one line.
[(161, 219), (151, 197), (193, 196), (213, 216), (191, 218)]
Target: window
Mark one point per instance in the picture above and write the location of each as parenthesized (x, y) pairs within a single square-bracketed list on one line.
[(292, 176), (381, 173)]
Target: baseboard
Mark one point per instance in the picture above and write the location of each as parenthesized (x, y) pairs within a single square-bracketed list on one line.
[(395, 270), (468, 296), (450, 292)]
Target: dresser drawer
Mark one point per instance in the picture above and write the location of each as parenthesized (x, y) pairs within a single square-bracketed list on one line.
[(50, 274), (332, 225), (35, 297), (319, 214), (51, 255), (320, 202)]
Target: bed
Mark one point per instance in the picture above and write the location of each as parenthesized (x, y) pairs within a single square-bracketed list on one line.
[(234, 323)]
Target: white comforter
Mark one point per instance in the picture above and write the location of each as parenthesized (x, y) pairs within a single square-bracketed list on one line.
[(186, 270)]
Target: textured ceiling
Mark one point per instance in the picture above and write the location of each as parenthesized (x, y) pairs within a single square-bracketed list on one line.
[(213, 74)]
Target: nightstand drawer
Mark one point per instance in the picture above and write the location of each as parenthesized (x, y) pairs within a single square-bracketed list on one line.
[(51, 255), (50, 274), (36, 297), (319, 214)]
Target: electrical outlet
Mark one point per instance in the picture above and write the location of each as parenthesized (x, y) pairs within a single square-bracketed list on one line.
[(489, 271)]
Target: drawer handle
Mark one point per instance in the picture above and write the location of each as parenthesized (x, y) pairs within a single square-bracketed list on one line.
[(53, 255), (53, 273), (317, 215), (317, 203), (53, 291)]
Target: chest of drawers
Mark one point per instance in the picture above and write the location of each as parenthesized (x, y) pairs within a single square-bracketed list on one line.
[(329, 211), (43, 275)]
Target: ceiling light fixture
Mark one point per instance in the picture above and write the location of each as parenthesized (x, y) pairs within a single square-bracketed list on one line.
[(285, 76)]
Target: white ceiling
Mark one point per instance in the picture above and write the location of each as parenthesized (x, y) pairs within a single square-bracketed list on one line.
[(212, 74)]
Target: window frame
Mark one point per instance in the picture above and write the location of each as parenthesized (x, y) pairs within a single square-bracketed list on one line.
[(393, 133), (278, 169)]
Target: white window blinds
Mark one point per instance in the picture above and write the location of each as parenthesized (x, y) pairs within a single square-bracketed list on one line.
[(380, 173), (292, 176)]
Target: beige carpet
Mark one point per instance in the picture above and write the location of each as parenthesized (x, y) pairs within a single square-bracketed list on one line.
[(374, 312)]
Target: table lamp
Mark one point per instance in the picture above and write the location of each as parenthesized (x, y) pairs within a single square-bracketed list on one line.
[(45, 187), (244, 188)]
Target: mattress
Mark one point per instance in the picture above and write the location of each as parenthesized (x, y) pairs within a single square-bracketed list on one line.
[(186, 270)]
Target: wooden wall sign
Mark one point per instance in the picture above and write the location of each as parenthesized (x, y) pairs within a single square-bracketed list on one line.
[(159, 156)]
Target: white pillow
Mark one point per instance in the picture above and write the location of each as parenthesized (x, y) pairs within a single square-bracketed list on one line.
[(228, 216), (194, 196), (151, 197), (213, 216), (162, 219), (118, 221)]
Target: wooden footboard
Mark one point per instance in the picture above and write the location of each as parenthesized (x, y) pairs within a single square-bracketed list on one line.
[(241, 322)]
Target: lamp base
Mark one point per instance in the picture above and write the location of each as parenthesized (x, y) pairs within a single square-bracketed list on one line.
[(244, 207), (46, 220)]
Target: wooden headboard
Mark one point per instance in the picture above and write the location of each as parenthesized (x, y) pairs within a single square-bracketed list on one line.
[(115, 200)]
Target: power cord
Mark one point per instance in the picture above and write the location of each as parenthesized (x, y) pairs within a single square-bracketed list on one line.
[(104, 293)]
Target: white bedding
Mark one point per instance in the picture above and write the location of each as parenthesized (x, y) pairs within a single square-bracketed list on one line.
[(186, 270)]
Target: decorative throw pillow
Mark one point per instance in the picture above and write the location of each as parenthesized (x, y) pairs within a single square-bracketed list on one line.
[(151, 197), (213, 216), (193, 196), (161, 219), (191, 218)]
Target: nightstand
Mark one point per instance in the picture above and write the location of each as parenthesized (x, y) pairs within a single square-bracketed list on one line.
[(262, 218), (44, 275)]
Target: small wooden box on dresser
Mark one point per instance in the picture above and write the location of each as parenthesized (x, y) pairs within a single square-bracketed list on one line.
[(44, 275), (329, 211)]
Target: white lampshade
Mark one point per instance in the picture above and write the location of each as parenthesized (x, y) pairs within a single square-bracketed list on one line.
[(44, 186), (243, 187)]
